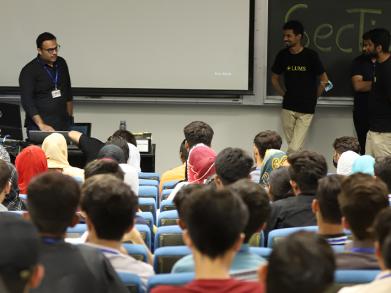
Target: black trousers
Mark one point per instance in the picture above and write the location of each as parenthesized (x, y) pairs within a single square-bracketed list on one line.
[(361, 124)]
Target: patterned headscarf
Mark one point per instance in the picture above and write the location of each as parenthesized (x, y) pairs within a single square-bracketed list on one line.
[(200, 164)]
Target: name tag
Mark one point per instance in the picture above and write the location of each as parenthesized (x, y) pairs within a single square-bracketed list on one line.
[(56, 94)]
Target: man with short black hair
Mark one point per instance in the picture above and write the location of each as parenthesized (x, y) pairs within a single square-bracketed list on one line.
[(213, 242), (305, 169), (232, 164), (303, 262), (378, 142), (19, 254), (361, 199), (302, 70), (257, 202), (326, 209), (343, 144), (103, 166), (382, 283), (383, 171), (45, 85), (110, 207), (52, 202), (198, 132)]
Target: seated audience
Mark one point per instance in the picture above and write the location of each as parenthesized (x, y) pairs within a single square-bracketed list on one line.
[(12, 201), (345, 162), (382, 283), (362, 197), (200, 166), (177, 173), (103, 166), (20, 270), (110, 207), (117, 149), (305, 169), (134, 154), (382, 170), (30, 162), (213, 242), (343, 144), (279, 186), (198, 132), (326, 209), (52, 202), (56, 151), (364, 164), (267, 155), (257, 202), (5, 184), (303, 262), (232, 164)]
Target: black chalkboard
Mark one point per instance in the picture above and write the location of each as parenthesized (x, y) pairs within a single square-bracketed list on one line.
[(333, 28)]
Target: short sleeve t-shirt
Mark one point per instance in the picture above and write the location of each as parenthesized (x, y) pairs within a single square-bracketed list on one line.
[(380, 98), (300, 73), (362, 66), (216, 286)]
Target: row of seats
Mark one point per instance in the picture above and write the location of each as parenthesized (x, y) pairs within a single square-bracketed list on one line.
[(133, 282)]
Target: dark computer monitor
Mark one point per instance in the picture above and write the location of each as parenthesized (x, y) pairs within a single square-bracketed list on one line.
[(37, 136), (82, 127), (10, 121)]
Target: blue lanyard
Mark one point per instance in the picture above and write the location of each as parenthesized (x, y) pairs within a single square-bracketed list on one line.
[(51, 240), (53, 78), (384, 277), (368, 250), (108, 251)]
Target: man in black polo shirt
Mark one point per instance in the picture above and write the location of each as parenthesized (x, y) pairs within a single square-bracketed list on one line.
[(301, 69), (379, 135), (46, 88), (362, 74)]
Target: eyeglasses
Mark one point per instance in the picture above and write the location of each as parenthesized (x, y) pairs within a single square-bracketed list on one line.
[(51, 50)]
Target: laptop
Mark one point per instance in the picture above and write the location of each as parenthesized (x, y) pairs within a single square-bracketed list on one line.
[(37, 136), (10, 121)]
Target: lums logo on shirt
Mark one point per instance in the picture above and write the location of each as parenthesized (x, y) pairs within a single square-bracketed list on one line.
[(296, 68)]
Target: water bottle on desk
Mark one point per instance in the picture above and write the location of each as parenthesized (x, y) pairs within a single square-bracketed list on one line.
[(122, 125)]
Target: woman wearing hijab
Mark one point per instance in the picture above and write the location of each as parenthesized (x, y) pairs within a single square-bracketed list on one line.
[(30, 162), (56, 151)]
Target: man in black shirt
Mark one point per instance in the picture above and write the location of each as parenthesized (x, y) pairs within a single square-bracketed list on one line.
[(379, 135), (362, 74), (301, 69), (45, 86)]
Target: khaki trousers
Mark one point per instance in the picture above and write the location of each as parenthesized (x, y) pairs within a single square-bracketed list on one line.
[(295, 126), (378, 144)]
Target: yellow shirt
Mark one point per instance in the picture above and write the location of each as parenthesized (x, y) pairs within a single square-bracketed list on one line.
[(177, 173)]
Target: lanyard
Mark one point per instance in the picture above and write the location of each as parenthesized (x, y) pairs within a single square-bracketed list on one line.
[(384, 277), (54, 78), (368, 250), (104, 250), (51, 240)]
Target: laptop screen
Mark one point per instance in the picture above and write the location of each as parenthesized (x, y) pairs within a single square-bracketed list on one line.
[(10, 121)]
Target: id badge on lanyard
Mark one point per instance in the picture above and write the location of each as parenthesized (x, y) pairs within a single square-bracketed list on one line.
[(56, 92)]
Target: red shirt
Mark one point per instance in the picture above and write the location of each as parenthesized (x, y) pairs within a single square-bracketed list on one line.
[(215, 286)]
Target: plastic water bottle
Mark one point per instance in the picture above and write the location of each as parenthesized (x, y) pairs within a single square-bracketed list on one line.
[(122, 125)]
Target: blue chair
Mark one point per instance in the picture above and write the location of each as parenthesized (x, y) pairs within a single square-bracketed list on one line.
[(167, 218), (338, 248), (166, 193), (148, 191), (167, 205), (149, 175), (278, 234), (169, 184), (137, 251), (147, 204), (76, 231), (148, 217), (350, 277), (169, 279), (148, 182), (132, 282), (261, 251), (168, 236), (145, 233), (166, 257)]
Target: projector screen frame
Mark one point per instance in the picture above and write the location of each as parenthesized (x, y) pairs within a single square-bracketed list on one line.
[(153, 92)]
